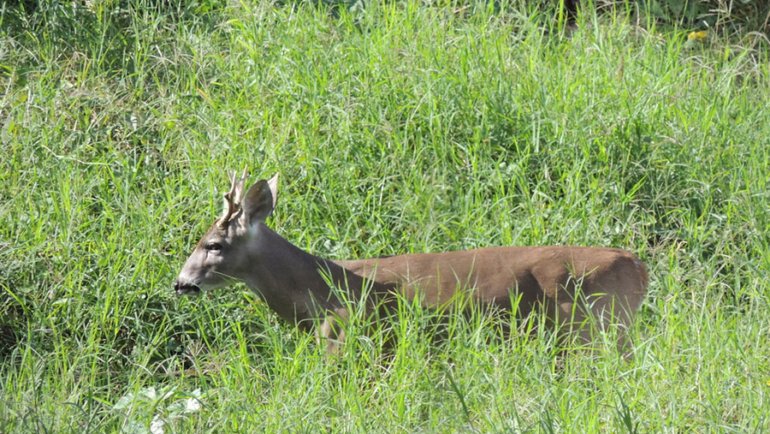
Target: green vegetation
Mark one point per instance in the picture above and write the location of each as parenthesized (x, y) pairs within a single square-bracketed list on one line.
[(723, 15), (397, 128)]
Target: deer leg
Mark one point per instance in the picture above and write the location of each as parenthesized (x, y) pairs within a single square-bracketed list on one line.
[(332, 331)]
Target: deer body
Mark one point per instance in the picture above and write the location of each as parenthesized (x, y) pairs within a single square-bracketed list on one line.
[(536, 274), (571, 284)]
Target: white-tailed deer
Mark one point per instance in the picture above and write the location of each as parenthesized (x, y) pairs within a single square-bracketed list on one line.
[(575, 285)]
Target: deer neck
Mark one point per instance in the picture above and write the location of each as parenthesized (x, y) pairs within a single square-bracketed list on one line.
[(294, 283)]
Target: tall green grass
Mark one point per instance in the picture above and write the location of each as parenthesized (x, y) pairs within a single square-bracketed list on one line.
[(398, 127)]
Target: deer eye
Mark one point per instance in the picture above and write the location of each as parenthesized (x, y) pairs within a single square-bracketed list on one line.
[(214, 246)]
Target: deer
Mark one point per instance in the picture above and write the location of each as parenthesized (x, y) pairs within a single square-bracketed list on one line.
[(571, 285)]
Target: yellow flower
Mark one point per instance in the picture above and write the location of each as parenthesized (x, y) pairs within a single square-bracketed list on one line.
[(697, 36)]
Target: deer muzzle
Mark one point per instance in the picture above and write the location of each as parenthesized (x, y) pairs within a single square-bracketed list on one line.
[(186, 288)]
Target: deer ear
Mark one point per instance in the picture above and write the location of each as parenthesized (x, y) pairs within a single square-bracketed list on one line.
[(260, 200)]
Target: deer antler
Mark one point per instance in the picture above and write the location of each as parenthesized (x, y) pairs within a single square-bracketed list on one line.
[(233, 198)]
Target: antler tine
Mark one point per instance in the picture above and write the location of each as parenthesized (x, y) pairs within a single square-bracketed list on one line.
[(231, 203), (240, 187)]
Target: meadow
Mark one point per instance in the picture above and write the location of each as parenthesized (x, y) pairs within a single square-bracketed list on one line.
[(397, 127)]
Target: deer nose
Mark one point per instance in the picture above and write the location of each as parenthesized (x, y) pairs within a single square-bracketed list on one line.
[(185, 288)]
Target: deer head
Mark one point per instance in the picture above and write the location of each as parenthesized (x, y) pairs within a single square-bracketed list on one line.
[(219, 257)]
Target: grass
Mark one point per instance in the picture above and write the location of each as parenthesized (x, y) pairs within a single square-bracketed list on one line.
[(396, 128)]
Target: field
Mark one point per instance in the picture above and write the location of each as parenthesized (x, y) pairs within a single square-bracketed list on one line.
[(398, 127)]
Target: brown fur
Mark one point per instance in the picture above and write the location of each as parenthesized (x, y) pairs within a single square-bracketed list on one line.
[(583, 288)]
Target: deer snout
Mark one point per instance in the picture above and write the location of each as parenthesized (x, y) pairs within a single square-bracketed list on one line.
[(182, 288)]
